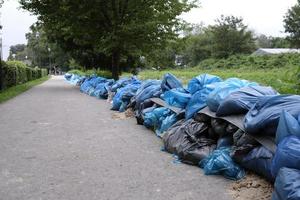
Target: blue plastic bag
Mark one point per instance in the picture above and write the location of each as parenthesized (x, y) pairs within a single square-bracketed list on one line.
[(101, 91), (123, 96), (150, 89), (200, 81), (264, 116), (223, 89), (151, 119), (85, 86), (177, 97), (287, 154), (220, 162), (166, 123), (198, 100), (122, 83), (160, 119), (170, 82), (287, 185), (259, 160), (288, 125), (242, 100), (68, 76)]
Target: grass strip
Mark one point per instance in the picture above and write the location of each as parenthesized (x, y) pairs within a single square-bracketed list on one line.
[(18, 89)]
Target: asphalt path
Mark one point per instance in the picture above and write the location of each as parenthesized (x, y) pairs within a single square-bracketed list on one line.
[(59, 144)]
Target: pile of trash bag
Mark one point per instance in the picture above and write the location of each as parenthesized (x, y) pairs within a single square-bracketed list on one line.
[(200, 87), (224, 127), (124, 94)]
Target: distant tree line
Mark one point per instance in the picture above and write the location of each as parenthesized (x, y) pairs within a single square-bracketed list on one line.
[(120, 35)]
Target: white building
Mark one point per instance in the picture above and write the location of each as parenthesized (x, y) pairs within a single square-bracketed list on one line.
[(269, 51)]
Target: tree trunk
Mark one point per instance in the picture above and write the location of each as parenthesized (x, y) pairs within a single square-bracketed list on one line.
[(115, 65)]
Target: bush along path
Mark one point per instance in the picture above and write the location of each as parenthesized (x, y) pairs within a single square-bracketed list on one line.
[(57, 143), (223, 126)]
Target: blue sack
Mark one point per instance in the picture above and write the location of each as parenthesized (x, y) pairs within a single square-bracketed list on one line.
[(287, 154), (177, 97), (287, 185), (240, 101), (122, 83), (264, 116), (198, 82), (166, 123), (123, 96), (101, 91), (160, 119), (288, 125), (198, 100), (149, 89), (223, 89), (86, 86), (259, 160), (220, 162), (68, 76), (151, 119), (170, 82)]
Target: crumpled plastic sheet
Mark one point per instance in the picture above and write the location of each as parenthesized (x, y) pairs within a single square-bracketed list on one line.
[(220, 162)]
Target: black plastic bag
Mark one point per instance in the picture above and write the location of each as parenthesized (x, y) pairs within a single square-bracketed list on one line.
[(187, 140)]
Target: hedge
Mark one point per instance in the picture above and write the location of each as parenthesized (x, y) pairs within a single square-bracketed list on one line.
[(16, 72)]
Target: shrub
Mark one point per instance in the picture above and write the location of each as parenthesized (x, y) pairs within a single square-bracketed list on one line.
[(16, 72)]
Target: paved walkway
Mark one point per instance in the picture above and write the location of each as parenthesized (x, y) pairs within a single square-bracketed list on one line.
[(59, 144)]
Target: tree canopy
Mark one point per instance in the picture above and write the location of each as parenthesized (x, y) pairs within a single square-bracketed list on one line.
[(292, 24), (115, 29), (231, 36)]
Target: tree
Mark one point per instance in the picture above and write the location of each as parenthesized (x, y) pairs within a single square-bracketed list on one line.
[(230, 36), (109, 28), (264, 41), (292, 25), (41, 51), (197, 48)]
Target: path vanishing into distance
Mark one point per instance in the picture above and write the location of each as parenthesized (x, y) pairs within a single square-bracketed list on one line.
[(57, 143)]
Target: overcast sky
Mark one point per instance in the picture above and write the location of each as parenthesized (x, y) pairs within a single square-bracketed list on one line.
[(263, 16)]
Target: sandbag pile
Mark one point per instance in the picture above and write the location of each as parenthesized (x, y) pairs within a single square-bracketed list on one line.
[(222, 126)]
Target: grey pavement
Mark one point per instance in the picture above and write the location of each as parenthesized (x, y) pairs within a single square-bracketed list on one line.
[(59, 144)]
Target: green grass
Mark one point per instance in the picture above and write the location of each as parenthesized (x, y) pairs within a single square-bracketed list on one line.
[(281, 79), (16, 90)]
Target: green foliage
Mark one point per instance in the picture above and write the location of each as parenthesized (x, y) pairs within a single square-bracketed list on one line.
[(292, 24), (252, 62), (230, 36), (197, 48), (95, 30), (279, 71), (17, 52), (43, 52), (264, 41), (16, 72), (16, 90)]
